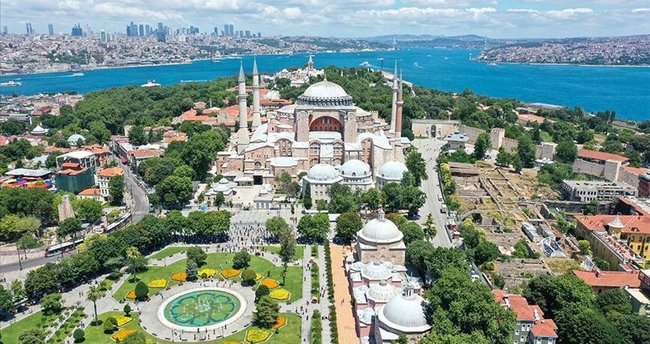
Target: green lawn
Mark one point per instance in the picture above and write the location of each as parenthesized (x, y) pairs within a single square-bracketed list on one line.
[(10, 333), (288, 334), (219, 261), (300, 250), (546, 137), (168, 251)]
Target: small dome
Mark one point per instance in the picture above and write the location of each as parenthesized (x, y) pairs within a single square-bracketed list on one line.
[(355, 168), (405, 314), (323, 173), (380, 231), (382, 291), (376, 271), (616, 223), (392, 170), (74, 138)]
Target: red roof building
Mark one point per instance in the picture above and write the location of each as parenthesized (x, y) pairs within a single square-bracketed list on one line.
[(587, 154), (603, 280), (531, 326)]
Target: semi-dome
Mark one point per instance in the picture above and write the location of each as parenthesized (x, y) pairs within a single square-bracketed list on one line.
[(325, 93), (380, 231), (392, 170), (376, 271), (323, 173), (355, 168), (382, 291), (405, 313)]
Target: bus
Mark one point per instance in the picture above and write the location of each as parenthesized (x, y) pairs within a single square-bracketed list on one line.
[(59, 249)]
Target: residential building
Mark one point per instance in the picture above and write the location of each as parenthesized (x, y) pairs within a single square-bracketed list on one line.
[(91, 193), (103, 178), (587, 191), (640, 297), (456, 141), (632, 206), (644, 185), (600, 281), (76, 171), (599, 164), (619, 239), (531, 327)]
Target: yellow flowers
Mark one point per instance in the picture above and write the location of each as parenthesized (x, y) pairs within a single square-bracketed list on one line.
[(230, 273), (179, 277), (122, 320), (257, 335), (270, 283), (158, 283), (232, 341), (280, 294), (131, 295), (123, 334), (207, 272)]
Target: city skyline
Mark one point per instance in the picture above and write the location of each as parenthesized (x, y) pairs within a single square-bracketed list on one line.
[(351, 18)]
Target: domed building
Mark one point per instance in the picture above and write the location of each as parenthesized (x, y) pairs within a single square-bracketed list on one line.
[(324, 126), (380, 241), (403, 314), (390, 172), (320, 178)]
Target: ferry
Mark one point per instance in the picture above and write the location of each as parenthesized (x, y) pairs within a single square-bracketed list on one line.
[(11, 83), (150, 83)]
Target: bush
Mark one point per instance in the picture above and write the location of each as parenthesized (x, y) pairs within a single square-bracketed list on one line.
[(78, 335), (141, 291), (127, 310), (241, 260), (262, 290), (316, 328), (248, 277), (110, 325)]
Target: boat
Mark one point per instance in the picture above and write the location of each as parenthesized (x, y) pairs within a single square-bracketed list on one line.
[(150, 83), (77, 74), (11, 83), (365, 64)]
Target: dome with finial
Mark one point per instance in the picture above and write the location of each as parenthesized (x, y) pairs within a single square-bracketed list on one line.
[(325, 94), (616, 223), (405, 313), (380, 231)]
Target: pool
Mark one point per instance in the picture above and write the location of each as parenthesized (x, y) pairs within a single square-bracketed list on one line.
[(203, 308)]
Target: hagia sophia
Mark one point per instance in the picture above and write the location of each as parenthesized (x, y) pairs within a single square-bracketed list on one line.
[(323, 134)]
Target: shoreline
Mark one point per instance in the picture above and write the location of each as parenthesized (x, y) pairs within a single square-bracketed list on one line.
[(563, 64)]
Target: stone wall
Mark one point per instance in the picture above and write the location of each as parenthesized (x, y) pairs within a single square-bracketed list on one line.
[(433, 127), (471, 132), (629, 178)]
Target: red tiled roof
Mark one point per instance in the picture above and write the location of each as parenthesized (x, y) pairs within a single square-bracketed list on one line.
[(631, 223), (609, 279), (145, 153), (532, 118), (544, 328), (111, 172), (90, 192), (595, 155), (636, 170), (633, 204), (519, 305)]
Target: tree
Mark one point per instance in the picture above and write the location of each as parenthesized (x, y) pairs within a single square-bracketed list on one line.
[(526, 151), (486, 251), (116, 186), (276, 225), (141, 291), (51, 304), (192, 270), (110, 325), (31, 336), (566, 151), (417, 166), (306, 199), (132, 256), (582, 324), (613, 303), (127, 309), (314, 228), (373, 198), (219, 200), (287, 245), (41, 281), (197, 255), (99, 132), (88, 209), (78, 335), (184, 171), (347, 225), (266, 312), (283, 179), (482, 146), (6, 301), (412, 198), (419, 253), (552, 294), (17, 291), (585, 246), (503, 158), (633, 329), (430, 227), (241, 260), (174, 192), (248, 277), (261, 291), (70, 226), (137, 136), (412, 232), (94, 294)]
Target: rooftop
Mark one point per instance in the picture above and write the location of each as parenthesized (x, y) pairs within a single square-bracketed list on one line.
[(595, 155), (111, 172), (609, 279), (631, 223)]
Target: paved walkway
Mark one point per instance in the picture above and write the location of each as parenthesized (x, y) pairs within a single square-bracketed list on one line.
[(345, 321)]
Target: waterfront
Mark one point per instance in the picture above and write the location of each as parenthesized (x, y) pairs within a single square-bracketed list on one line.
[(624, 90)]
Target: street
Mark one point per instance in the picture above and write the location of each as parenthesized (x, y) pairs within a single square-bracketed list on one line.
[(140, 202), (430, 149)]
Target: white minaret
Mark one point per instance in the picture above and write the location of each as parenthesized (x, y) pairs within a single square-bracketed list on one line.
[(257, 120), (399, 107), (243, 138), (393, 112)]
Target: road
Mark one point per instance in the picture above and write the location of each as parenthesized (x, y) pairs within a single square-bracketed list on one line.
[(430, 149), (139, 202)]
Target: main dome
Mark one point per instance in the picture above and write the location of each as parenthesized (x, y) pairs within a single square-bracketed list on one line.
[(405, 314), (380, 231), (325, 93)]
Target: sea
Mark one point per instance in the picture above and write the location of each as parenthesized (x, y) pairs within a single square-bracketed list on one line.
[(625, 90)]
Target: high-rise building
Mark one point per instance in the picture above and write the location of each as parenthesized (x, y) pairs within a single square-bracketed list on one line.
[(102, 36), (77, 31), (141, 30), (225, 30), (50, 29), (241, 33), (248, 33), (216, 31), (28, 28), (259, 34), (5, 30), (232, 29), (132, 30), (147, 29)]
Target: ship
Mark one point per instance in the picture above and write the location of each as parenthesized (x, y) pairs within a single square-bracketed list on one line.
[(11, 83), (150, 83)]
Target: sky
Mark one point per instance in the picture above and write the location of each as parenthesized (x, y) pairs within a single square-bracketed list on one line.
[(343, 18)]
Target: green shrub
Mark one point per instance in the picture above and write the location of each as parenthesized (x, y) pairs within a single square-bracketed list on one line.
[(141, 291), (78, 335), (110, 325)]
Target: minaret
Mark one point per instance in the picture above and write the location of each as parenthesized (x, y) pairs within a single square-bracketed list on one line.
[(257, 121), (310, 64), (393, 113), (243, 138), (399, 107)]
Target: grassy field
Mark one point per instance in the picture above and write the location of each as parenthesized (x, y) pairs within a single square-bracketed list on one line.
[(168, 251), (10, 333), (288, 334), (219, 261), (300, 250)]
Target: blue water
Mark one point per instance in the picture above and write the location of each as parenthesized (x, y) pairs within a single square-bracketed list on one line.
[(624, 90)]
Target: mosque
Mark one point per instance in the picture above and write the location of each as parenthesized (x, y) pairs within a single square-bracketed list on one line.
[(323, 134)]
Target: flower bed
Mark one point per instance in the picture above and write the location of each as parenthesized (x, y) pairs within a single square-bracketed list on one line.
[(230, 273), (280, 294), (122, 320), (123, 334), (280, 323), (179, 277), (270, 283), (207, 272), (258, 276), (131, 295), (257, 335), (158, 283), (232, 341)]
